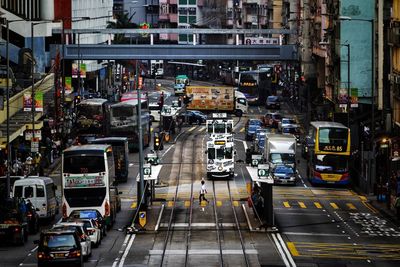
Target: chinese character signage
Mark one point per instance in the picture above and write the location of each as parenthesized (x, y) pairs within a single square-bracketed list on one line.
[(261, 41)]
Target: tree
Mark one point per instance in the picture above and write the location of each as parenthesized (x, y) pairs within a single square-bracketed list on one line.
[(123, 21)]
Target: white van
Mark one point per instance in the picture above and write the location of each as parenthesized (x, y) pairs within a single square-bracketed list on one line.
[(41, 192)]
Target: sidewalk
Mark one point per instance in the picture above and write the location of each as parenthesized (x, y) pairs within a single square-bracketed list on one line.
[(382, 208), (50, 169)]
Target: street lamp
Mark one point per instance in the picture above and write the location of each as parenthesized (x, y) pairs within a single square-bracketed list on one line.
[(8, 104), (372, 163)]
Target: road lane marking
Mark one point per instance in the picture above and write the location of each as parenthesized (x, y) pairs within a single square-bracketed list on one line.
[(334, 206), (351, 206), (280, 250), (369, 206), (318, 205), (187, 203), (302, 205), (134, 205), (242, 130), (286, 204), (236, 203), (202, 129), (247, 217), (191, 129), (127, 249), (292, 249), (219, 203), (159, 218), (363, 198), (170, 204), (287, 253), (245, 145), (121, 251)]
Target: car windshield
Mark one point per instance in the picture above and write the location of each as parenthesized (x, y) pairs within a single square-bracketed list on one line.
[(272, 98), (288, 121), (284, 158), (276, 116), (255, 122)]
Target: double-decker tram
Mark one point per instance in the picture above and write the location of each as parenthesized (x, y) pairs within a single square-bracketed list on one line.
[(327, 149), (87, 174), (124, 122), (255, 85), (220, 157), (219, 124)]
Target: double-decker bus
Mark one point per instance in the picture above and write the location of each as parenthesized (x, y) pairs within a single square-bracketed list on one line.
[(124, 122), (91, 119), (327, 150), (87, 174), (255, 85)]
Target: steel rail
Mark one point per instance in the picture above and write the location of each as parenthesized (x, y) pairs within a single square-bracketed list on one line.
[(237, 225), (217, 225)]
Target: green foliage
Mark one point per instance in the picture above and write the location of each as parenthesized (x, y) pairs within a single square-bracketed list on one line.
[(123, 21)]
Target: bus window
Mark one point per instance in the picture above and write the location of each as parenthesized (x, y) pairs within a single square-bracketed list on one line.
[(84, 164), (211, 153), (28, 192), (50, 191), (18, 191), (228, 153), (220, 153)]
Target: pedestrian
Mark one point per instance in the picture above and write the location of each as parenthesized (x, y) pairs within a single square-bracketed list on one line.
[(203, 192)]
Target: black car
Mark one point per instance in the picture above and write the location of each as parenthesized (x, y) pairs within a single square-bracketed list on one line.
[(273, 101), (90, 214), (59, 247), (194, 116)]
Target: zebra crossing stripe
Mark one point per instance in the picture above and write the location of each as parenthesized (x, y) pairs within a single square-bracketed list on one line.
[(302, 205), (286, 204), (134, 205), (333, 205), (318, 205), (350, 206)]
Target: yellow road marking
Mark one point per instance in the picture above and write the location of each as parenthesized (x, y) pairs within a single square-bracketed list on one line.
[(203, 203), (302, 205), (363, 198), (187, 203), (219, 203), (366, 204), (191, 129), (134, 205), (242, 130), (151, 129), (236, 203), (286, 204), (351, 206), (292, 249), (334, 205), (319, 206), (170, 203)]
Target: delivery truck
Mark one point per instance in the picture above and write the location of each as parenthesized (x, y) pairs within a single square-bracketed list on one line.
[(216, 98)]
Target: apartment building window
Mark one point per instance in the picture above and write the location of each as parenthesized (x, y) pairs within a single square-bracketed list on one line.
[(183, 19), (192, 2), (182, 11), (192, 19), (183, 2), (192, 11)]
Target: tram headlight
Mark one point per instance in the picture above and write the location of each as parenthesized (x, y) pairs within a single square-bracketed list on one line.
[(220, 168)]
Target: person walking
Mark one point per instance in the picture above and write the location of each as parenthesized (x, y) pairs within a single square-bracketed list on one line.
[(203, 192)]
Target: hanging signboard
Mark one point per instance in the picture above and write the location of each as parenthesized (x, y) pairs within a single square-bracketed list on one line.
[(27, 101), (68, 85), (354, 97), (28, 135), (74, 70), (83, 70)]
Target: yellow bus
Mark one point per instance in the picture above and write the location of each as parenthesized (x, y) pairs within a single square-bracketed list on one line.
[(327, 150)]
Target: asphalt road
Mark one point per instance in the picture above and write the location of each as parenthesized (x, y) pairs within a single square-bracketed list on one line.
[(316, 226)]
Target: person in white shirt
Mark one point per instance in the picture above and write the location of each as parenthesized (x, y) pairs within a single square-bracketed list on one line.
[(203, 191)]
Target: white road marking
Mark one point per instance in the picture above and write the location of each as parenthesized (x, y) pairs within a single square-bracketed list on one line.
[(288, 255), (245, 145), (122, 261), (202, 252), (278, 246), (198, 225), (247, 217), (159, 218), (311, 234), (121, 251)]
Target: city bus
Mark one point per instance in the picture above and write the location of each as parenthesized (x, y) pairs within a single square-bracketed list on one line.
[(255, 85), (327, 150), (124, 122), (87, 172), (120, 153), (91, 118)]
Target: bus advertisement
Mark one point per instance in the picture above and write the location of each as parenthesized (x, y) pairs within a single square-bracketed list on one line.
[(87, 174), (327, 150)]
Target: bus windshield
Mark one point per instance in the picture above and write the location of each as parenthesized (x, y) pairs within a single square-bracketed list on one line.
[(219, 128), (333, 137), (89, 111), (78, 164), (122, 112), (284, 158), (331, 163)]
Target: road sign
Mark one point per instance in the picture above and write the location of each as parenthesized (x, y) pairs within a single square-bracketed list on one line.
[(255, 160), (142, 218), (263, 170), (147, 169)]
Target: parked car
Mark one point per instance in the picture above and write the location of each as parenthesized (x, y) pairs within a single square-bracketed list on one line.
[(284, 174), (251, 127), (59, 247), (94, 232), (83, 235), (115, 198), (90, 214), (194, 116), (286, 121), (272, 119), (273, 101)]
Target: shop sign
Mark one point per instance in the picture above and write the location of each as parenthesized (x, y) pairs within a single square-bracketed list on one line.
[(35, 145), (261, 41), (354, 97), (68, 85)]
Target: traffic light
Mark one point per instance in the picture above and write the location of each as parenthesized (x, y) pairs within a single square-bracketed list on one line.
[(158, 142), (154, 71)]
